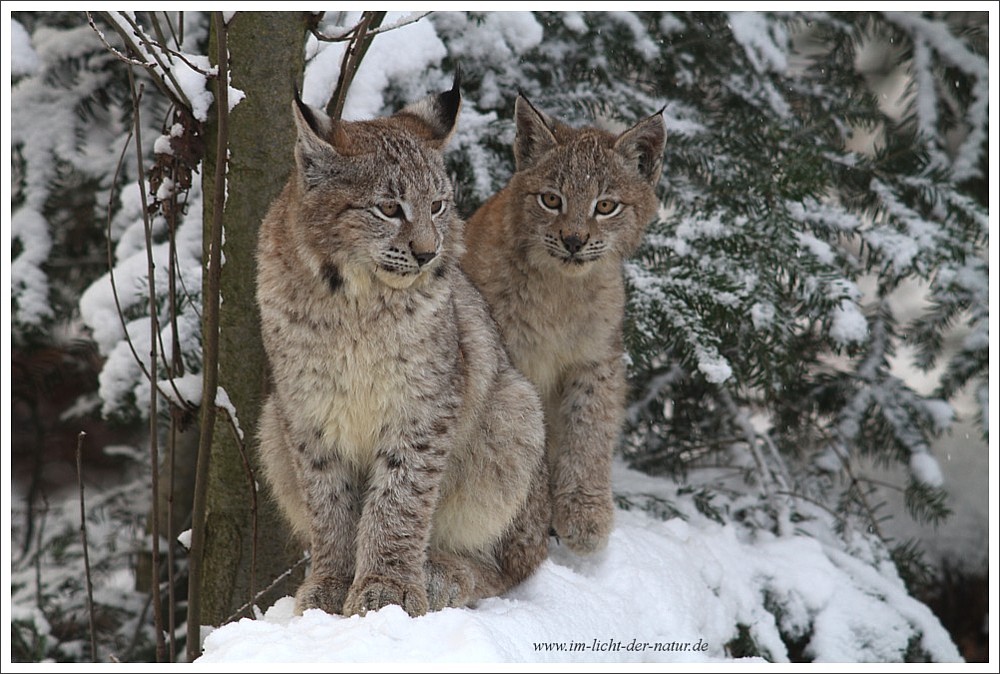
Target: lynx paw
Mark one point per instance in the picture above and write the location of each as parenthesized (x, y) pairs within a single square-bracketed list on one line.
[(374, 592), (449, 584), (322, 592), (582, 521)]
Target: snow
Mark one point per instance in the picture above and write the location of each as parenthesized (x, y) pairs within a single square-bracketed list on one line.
[(762, 315), (937, 36), (925, 469), (23, 59), (848, 324), (29, 282), (711, 364), (381, 66), (663, 591), (764, 41)]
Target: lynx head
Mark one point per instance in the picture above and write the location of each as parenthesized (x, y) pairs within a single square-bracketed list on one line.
[(584, 195), (373, 200)]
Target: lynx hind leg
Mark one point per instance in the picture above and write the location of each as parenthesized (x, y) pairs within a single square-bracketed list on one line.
[(510, 488), (459, 579), (279, 471)]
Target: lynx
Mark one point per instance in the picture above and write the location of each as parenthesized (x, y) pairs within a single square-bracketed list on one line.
[(398, 439), (547, 253)]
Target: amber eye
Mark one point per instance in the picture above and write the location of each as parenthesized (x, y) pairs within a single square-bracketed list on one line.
[(550, 200), (437, 207), (390, 209), (606, 207)]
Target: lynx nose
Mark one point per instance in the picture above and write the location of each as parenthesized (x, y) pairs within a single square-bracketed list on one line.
[(424, 258), (573, 243)]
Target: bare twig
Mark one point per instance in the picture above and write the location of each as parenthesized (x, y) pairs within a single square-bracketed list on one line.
[(274, 583), (116, 52), (86, 553), (111, 263), (355, 52), (171, 540), (161, 651), (252, 480), (151, 48), (210, 348), (349, 33)]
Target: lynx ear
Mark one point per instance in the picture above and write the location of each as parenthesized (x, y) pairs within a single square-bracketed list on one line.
[(315, 157), (643, 144), (437, 115), (534, 135)]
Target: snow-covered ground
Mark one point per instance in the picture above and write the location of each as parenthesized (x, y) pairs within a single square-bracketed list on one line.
[(663, 591)]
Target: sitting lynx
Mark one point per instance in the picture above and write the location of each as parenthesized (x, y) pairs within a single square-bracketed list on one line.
[(547, 253), (398, 439)]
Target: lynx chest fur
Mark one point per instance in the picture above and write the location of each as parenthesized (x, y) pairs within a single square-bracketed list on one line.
[(547, 253), (404, 448)]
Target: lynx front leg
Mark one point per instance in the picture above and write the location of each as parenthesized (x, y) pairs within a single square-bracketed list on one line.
[(585, 423), (334, 505), (395, 529)]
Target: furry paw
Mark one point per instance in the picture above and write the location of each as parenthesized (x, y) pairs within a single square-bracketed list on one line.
[(582, 521), (322, 592), (449, 584), (374, 592)]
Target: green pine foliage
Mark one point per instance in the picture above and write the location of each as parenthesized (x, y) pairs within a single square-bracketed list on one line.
[(762, 322), (761, 316)]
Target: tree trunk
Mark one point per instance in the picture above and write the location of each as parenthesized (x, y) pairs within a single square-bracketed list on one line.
[(266, 57)]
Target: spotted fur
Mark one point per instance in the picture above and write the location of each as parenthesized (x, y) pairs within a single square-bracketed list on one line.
[(547, 253), (402, 445)]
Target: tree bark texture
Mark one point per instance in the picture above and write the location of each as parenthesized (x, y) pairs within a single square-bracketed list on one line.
[(266, 58)]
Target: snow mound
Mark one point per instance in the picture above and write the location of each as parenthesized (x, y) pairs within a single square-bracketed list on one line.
[(662, 591)]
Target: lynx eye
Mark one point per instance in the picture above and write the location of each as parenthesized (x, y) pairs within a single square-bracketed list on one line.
[(550, 200), (607, 207), (437, 207), (390, 209)]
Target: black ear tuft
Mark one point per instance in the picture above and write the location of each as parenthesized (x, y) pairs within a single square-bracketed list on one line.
[(437, 113), (535, 133), (306, 112), (315, 157), (450, 102)]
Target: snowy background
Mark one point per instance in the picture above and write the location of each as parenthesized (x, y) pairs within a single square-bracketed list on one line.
[(671, 574)]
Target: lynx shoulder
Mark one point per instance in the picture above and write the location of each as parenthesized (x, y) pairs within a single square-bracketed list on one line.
[(547, 253), (397, 438)]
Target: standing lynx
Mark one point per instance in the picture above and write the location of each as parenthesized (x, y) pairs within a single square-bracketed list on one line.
[(398, 439), (547, 253)]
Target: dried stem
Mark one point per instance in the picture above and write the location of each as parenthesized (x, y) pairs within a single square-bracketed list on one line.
[(210, 347), (355, 52), (161, 650), (86, 553), (274, 583), (349, 33)]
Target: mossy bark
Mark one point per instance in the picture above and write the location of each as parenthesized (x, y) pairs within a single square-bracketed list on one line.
[(266, 60)]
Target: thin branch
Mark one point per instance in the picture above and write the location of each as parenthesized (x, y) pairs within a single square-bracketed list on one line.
[(161, 650), (171, 539), (116, 52), (349, 33), (252, 479), (274, 583), (111, 263), (353, 55), (210, 347), (151, 49), (86, 553)]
